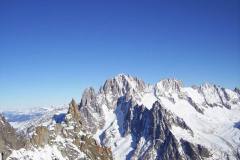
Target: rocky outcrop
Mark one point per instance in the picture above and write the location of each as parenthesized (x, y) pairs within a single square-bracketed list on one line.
[(197, 108), (154, 126), (89, 99), (139, 119), (41, 136), (68, 137), (74, 113), (120, 86), (92, 116), (196, 152), (84, 142), (94, 150), (9, 139), (164, 141)]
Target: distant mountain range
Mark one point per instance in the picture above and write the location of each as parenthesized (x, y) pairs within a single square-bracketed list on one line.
[(130, 119)]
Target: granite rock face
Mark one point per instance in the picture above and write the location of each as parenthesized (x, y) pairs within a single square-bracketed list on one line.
[(84, 142), (197, 152), (154, 126), (119, 86), (74, 112), (9, 139), (41, 136), (68, 137), (92, 116)]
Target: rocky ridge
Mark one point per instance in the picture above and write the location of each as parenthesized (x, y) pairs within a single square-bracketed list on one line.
[(129, 119)]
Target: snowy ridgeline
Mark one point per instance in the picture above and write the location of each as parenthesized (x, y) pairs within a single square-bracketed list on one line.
[(121, 116)]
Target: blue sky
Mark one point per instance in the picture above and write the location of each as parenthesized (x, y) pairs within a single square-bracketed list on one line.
[(51, 50)]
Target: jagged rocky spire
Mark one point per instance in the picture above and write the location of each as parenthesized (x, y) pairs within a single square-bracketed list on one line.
[(121, 84), (88, 97), (74, 111), (91, 112)]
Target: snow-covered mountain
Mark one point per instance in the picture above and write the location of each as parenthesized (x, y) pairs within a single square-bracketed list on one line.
[(130, 119), (29, 118), (136, 115)]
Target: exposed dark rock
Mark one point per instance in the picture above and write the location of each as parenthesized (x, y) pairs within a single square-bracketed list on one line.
[(137, 117), (169, 148), (85, 144), (193, 152), (154, 126), (92, 149), (164, 142), (168, 118), (91, 112), (136, 121), (121, 85), (219, 93), (171, 99), (89, 99), (203, 151), (223, 98), (189, 99), (237, 90)]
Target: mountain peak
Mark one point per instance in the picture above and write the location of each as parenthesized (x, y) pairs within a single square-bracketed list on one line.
[(73, 102), (121, 84), (169, 85), (88, 97), (73, 110), (122, 75)]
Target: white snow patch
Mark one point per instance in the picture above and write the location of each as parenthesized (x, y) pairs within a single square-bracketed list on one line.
[(148, 99), (46, 153)]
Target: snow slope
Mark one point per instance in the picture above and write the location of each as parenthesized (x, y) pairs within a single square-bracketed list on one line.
[(215, 128)]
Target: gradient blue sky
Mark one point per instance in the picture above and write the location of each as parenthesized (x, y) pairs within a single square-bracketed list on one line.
[(51, 50)]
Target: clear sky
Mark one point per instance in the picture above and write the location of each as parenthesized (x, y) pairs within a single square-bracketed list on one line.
[(51, 50)]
